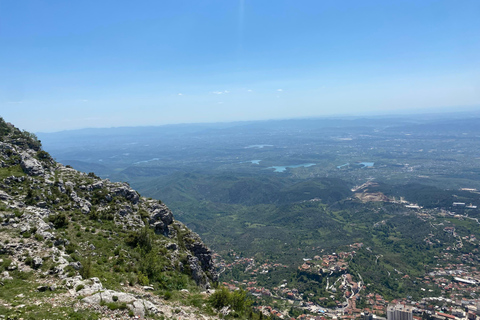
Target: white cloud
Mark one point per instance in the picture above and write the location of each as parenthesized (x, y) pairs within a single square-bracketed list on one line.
[(279, 90), (249, 90), (221, 92), (180, 94)]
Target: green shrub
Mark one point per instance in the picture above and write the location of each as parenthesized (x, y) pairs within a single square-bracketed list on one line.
[(236, 300), (43, 155), (59, 220), (143, 279), (220, 298), (114, 305), (86, 269), (70, 248), (141, 238), (17, 213), (132, 279), (29, 261)]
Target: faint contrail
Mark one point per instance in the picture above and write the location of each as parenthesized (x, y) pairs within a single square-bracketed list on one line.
[(241, 14)]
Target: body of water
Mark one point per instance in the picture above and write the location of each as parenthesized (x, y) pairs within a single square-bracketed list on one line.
[(367, 164), (252, 161), (259, 146), (145, 161), (343, 165), (283, 168)]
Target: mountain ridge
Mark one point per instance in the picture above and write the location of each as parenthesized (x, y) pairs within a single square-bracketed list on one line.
[(64, 230)]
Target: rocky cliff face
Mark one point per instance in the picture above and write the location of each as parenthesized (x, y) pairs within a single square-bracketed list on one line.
[(59, 224)]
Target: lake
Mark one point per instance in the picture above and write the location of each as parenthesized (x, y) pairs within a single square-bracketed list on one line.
[(252, 161), (367, 164), (259, 146)]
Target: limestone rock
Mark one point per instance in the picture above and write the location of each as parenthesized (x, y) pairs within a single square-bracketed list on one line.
[(37, 262), (31, 166), (126, 192), (6, 276), (138, 306), (4, 195)]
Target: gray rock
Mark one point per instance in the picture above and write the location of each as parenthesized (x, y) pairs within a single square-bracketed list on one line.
[(24, 228), (37, 262), (203, 254), (126, 192), (76, 265), (172, 246), (46, 235), (31, 166), (42, 204), (197, 272), (107, 296), (12, 267), (42, 288), (61, 187), (6, 276), (160, 219), (139, 307), (97, 185), (69, 184), (4, 195), (75, 198), (85, 209)]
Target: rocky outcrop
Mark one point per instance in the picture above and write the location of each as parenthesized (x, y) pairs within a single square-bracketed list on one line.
[(52, 214), (139, 307), (126, 192), (160, 217), (30, 165), (95, 294), (204, 259), (4, 195)]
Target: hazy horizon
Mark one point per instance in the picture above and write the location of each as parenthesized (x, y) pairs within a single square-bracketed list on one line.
[(450, 113)]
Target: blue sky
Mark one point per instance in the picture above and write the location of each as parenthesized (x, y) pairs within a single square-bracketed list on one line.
[(76, 64)]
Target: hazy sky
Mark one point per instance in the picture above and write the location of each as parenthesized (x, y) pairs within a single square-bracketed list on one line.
[(74, 64)]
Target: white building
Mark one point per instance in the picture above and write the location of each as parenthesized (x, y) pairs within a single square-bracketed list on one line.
[(399, 312)]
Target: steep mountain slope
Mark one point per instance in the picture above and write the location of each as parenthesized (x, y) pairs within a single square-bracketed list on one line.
[(89, 245)]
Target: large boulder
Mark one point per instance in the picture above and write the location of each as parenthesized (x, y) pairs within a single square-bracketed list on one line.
[(31, 166), (126, 192), (139, 307), (4, 195), (160, 218)]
